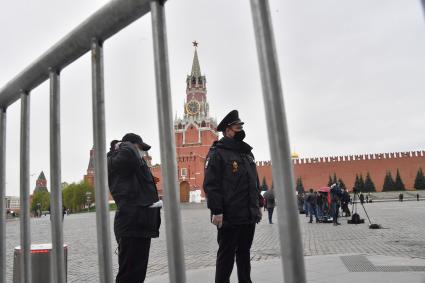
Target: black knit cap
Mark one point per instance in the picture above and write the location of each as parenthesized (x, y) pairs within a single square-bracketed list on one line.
[(231, 119), (133, 138)]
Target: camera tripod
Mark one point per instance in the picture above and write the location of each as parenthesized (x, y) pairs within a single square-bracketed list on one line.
[(355, 218)]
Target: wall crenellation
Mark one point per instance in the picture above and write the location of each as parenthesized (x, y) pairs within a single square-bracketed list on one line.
[(349, 158)]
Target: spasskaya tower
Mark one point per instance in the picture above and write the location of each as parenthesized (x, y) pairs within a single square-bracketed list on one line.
[(194, 134)]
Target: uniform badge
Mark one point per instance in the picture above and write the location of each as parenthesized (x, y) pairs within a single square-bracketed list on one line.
[(235, 167)]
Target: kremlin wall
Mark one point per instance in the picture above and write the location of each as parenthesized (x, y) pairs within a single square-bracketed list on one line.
[(315, 172)]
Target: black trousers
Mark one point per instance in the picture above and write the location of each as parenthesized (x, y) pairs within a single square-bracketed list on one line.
[(234, 241), (133, 256), (270, 210)]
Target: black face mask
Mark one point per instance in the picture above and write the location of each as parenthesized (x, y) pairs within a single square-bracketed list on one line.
[(239, 136)]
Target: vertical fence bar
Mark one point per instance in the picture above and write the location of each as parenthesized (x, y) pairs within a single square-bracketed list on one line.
[(100, 177), (176, 265), (24, 190), (289, 229), (58, 262), (2, 195)]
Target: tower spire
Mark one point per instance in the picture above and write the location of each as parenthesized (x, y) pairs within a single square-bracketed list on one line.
[(196, 69)]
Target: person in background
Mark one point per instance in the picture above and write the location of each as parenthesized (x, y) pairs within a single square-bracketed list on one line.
[(270, 202), (320, 206), (335, 203), (312, 203), (306, 205), (345, 200), (361, 197)]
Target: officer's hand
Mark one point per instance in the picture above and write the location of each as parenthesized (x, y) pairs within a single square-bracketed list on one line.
[(217, 220), (156, 179)]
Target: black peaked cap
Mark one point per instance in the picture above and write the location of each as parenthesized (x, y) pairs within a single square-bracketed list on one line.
[(231, 118), (133, 138)]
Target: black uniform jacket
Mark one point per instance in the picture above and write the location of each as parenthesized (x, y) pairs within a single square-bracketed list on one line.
[(133, 188), (231, 182)]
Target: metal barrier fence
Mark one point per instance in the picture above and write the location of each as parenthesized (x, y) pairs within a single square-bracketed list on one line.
[(89, 36)]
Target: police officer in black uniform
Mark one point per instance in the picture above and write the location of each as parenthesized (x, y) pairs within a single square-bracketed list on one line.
[(233, 195), (137, 218)]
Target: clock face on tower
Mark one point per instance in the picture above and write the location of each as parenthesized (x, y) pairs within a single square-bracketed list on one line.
[(193, 107)]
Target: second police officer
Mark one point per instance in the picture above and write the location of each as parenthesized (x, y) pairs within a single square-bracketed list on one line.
[(233, 196)]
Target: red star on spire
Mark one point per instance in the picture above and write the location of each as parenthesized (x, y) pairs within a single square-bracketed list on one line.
[(195, 43)]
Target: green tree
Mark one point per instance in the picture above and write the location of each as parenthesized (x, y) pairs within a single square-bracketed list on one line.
[(388, 183), (75, 196), (369, 186), (420, 180), (399, 185), (330, 181), (264, 186), (356, 183), (300, 186), (361, 184), (41, 197)]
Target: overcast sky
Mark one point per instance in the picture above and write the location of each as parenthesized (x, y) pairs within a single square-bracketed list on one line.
[(353, 74)]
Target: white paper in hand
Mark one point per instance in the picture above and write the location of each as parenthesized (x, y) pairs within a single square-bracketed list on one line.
[(156, 204)]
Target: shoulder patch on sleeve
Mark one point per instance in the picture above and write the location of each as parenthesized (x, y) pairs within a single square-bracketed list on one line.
[(251, 158)]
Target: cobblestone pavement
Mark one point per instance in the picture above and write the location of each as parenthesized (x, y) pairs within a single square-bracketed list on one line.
[(404, 236)]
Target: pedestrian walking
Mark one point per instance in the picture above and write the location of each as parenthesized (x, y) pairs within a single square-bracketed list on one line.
[(270, 203), (233, 197), (417, 197), (137, 218)]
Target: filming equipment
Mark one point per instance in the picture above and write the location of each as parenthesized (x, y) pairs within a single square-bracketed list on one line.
[(355, 218)]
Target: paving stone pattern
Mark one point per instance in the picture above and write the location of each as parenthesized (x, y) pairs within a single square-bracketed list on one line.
[(404, 236)]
